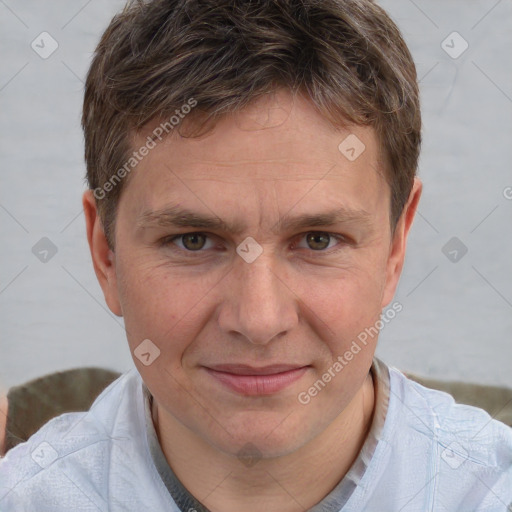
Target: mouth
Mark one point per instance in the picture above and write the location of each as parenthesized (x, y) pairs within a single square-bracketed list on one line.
[(252, 381)]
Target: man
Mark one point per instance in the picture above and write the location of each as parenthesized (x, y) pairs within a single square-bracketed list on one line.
[(252, 185)]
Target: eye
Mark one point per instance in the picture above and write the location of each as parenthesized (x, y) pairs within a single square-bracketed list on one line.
[(320, 240), (196, 242), (191, 242)]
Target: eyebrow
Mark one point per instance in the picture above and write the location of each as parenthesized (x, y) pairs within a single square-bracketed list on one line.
[(175, 216)]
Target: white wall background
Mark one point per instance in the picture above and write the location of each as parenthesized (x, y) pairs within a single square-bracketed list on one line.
[(457, 317)]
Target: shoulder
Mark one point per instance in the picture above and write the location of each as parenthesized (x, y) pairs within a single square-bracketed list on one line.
[(69, 458), (441, 415), (462, 451)]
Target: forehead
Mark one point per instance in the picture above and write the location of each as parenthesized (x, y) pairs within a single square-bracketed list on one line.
[(279, 144)]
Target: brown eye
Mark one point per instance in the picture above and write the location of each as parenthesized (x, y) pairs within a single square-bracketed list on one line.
[(318, 241), (193, 241), (188, 243)]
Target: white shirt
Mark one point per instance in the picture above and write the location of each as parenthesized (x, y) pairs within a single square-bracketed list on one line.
[(423, 453)]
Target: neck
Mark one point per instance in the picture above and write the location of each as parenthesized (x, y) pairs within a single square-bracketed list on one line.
[(291, 483)]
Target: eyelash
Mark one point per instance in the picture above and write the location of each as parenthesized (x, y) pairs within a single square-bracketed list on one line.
[(344, 241)]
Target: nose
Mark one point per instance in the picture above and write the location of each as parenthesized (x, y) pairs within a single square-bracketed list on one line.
[(259, 303)]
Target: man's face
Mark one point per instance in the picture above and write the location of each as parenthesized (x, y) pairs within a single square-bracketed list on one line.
[(301, 302)]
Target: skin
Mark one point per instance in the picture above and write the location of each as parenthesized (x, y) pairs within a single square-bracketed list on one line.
[(298, 302)]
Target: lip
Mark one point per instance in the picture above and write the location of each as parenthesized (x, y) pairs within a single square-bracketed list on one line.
[(251, 381), (243, 369)]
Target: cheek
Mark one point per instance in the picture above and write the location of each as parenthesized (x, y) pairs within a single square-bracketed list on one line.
[(350, 306), (155, 308), (152, 303), (348, 302), (165, 305)]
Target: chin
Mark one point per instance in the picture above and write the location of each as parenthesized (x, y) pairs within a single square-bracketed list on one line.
[(265, 440)]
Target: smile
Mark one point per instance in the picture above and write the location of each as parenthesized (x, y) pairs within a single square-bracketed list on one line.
[(251, 381)]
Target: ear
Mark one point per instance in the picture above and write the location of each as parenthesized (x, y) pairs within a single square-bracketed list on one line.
[(396, 255), (103, 258)]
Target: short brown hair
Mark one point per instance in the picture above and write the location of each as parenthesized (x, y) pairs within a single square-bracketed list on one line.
[(347, 56)]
